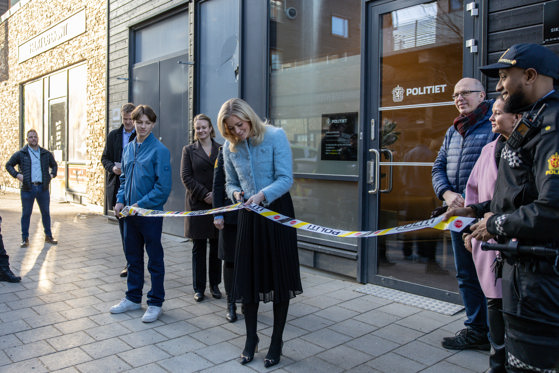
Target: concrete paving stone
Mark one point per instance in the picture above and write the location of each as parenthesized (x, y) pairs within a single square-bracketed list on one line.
[(38, 334), (422, 352), (24, 313), (63, 359), (446, 367), (89, 282), (397, 333), (322, 301), (181, 345), (311, 365), (363, 304), (336, 313), (394, 363), (344, 357), (4, 359), (9, 340), (4, 308), (176, 329), (51, 307), (213, 335), (135, 324), (420, 323), (107, 364), (231, 366), (170, 316), (29, 350), (200, 309), (302, 309), (26, 303), (83, 301), (13, 327), (172, 303), (56, 297), (143, 355), (78, 313), (455, 326), (71, 340), (311, 322), (372, 345), (47, 319), (364, 368), (105, 348), (150, 368), (290, 332), (90, 291), (478, 361), (377, 318), (189, 362), (207, 321), (143, 338), (108, 331), (326, 338), (398, 309), (347, 293), (299, 349), (30, 365), (219, 353), (353, 328), (67, 370), (75, 325), (8, 292), (107, 318)]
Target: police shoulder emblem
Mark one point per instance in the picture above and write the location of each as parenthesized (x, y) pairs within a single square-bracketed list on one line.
[(553, 165)]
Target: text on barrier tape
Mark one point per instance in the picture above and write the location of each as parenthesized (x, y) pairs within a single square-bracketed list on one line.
[(455, 223)]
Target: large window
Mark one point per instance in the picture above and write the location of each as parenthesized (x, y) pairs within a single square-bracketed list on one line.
[(56, 106), (314, 96)]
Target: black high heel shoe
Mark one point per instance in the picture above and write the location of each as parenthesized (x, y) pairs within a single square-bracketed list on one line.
[(247, 355), (273, 356)]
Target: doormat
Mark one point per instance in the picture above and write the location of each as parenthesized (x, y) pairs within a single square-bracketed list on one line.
[(429, 304)]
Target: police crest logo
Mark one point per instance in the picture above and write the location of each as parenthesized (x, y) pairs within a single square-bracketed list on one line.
[(398, 94), (553, 165)]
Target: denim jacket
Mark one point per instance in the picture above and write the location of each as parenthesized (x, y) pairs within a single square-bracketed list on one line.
[(265, 167)]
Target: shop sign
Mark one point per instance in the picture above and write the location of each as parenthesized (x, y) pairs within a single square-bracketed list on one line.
[(56, 35), (551, 22), (399, 93)]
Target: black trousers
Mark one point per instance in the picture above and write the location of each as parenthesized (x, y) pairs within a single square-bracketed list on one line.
[(4, 258), (199, 264)]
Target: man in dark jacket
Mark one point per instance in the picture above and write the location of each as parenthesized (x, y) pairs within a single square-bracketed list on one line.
[(112, 155), (36, 168), (461, 148), (525, 207)]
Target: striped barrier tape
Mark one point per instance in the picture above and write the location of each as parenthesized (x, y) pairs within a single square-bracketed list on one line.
[(455, 223)]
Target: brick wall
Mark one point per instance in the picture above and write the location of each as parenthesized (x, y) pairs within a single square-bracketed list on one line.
[(31, 19)]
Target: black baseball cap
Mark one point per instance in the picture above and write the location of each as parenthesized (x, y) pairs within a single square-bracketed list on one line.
[(526, 56)]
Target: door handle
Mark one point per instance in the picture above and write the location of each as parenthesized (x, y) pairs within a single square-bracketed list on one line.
[(373, 170), (389, 176)]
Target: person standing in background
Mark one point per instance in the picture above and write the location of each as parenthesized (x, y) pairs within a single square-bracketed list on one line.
[(197, 171), (37, 168), (461, 147), (111, 160)]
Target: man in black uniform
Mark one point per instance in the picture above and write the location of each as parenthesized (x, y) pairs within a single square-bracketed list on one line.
[(116, 141), (525, 207)]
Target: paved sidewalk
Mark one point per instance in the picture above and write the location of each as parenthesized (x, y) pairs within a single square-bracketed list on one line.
[(57, 318)]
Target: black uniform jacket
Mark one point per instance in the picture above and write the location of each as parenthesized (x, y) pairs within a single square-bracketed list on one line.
[(526, 198), (197, 171), (111, 154)]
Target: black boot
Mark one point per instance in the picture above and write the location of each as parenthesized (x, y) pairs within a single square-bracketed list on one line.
[(251, 344), (7, 275), (231, 312), (497, 357), (276, 345)]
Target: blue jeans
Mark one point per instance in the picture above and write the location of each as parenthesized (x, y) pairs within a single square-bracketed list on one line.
[(27, 200), (468, 285), (139, 232)]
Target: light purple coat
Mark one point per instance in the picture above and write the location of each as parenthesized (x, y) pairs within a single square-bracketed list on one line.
[(479, 188)]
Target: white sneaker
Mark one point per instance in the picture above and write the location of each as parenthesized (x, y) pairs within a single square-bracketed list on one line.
[(152, 314), (125, 305)]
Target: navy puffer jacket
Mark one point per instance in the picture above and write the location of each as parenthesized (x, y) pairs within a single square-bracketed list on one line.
[(458, 155)]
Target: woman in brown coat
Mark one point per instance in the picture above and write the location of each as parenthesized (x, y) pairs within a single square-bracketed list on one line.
[(197, 166)]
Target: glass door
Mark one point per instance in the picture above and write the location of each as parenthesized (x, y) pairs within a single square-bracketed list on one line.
[(415, 58)]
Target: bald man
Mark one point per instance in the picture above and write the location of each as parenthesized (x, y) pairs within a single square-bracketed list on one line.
[(461, 148)]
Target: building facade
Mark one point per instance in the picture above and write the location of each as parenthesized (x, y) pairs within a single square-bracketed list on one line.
[(52, 72)]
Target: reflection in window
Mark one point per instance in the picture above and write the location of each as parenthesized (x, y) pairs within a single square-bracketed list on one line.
[(33, 109), (414, 26), (77, 114), (161, 38), (339, 26)]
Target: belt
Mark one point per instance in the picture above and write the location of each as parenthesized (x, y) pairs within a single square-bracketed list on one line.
[(36, 183)]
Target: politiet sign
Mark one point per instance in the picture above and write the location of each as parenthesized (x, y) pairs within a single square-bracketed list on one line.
[(398, 93), (56, 35)]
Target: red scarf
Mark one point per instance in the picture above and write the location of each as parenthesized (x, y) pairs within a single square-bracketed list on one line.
[(463, 122)]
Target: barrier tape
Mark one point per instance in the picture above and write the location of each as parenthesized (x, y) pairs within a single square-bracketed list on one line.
[(455, 223)]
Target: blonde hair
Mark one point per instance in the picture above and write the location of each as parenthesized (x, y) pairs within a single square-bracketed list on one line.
[(207, 119), (242, 110)]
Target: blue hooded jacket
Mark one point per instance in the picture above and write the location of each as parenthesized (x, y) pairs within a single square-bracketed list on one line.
[(458, 155)]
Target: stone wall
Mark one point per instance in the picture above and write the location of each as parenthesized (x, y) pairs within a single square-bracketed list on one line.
[(31, 19)]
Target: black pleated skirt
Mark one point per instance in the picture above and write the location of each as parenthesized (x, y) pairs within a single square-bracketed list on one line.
[(266, 257)]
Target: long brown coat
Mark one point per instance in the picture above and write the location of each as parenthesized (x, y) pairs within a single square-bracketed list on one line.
[(197, 170)]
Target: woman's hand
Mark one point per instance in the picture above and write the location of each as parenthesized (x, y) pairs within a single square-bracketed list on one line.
[(208, 198), (238, 196), (467, 238), (257, 198), (479, 230), (461, 211), (219, 223)]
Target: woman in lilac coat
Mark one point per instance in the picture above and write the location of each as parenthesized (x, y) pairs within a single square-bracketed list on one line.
[(479, 188)]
